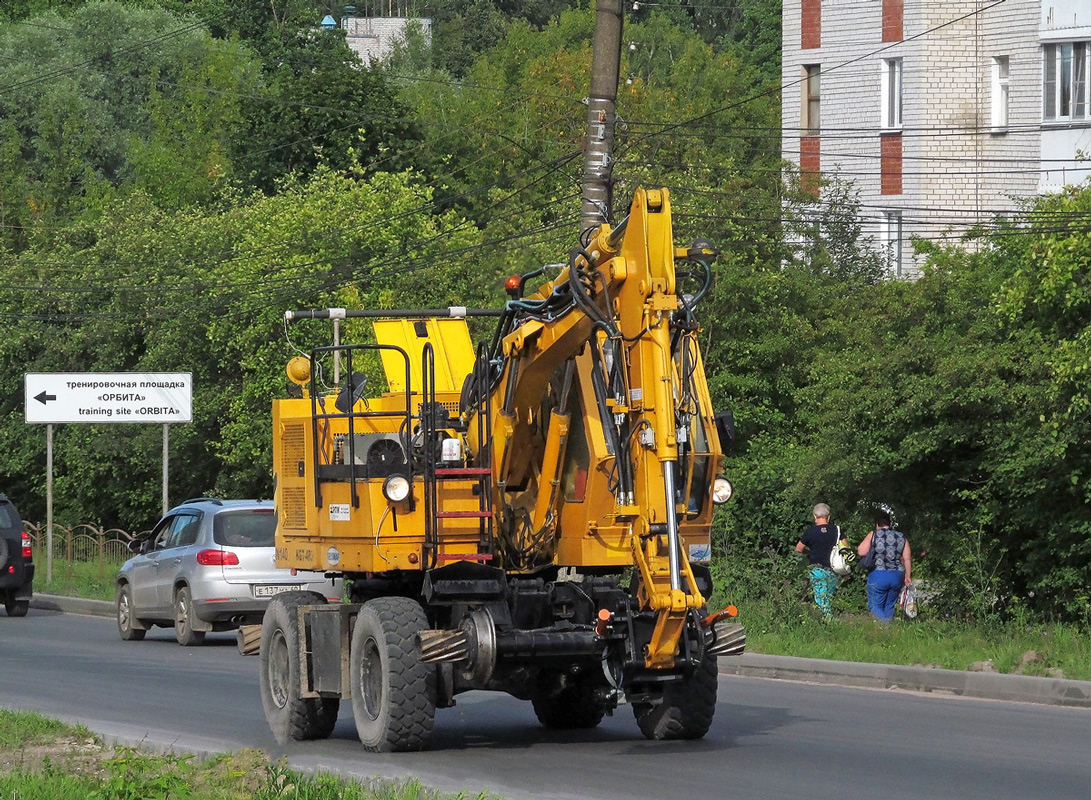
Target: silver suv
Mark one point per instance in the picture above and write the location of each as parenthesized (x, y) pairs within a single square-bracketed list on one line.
[(206, 566)]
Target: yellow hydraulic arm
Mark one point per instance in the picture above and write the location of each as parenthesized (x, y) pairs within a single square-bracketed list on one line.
[(622, 296)]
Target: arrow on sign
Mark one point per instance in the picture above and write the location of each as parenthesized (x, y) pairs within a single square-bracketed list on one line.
[(44, 398)]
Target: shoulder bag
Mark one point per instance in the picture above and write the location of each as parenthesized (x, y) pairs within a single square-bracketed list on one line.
[(867, 562)]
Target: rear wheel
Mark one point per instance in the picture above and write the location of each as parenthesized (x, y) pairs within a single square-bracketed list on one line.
[(393, 692), (126, 622), (16, 608), (291, 717), (184, 619), (686, 709), (563, 702)]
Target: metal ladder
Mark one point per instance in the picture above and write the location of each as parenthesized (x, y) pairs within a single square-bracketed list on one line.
[(433, 419)]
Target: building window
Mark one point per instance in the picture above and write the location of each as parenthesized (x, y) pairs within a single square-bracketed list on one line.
[(1065, 86), (890, 240), (1000, 92), (812, 95), (892, 93)]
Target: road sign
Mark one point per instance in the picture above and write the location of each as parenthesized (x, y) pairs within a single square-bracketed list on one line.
[(99, 397)]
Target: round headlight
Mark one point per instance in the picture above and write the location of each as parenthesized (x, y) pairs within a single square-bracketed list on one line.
[(396, 488), (721, 491)]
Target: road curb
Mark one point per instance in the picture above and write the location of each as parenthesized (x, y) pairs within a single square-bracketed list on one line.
[(72, 605), (985, 685)]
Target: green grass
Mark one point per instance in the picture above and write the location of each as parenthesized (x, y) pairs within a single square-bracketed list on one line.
[(927, 642), (18, 729), (42, 759), (93, 580)]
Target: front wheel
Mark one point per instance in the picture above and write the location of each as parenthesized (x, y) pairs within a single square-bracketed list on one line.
[(290, 716), (686, 708), (126, 622), (184, 619), (393, 692)]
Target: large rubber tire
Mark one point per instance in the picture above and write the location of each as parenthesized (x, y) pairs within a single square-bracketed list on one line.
[(687, 707), (393, 692), (126, 622), (564, 703), (291, 718), (184, 619), (16, 608)]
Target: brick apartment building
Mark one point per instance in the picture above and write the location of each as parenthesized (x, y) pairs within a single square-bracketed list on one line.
[(374, 38), (943, 113)]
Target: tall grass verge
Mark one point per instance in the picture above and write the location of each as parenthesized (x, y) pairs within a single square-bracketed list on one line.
[(773, 595), (93, 580)]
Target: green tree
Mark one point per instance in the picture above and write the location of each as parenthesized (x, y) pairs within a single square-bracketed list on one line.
[(953, 399), (105, 98), (201, 291)]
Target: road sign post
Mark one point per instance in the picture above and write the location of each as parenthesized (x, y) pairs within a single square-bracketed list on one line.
[(97, 397)]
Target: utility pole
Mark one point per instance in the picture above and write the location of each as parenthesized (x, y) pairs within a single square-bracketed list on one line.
[(598, 157)]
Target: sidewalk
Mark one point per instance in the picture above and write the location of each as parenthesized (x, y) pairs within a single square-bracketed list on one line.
[(987, 685)]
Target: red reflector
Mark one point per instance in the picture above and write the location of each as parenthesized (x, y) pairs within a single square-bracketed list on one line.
[(217, 558), (11, 568)]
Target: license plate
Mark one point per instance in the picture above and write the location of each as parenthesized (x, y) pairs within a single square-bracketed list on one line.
[(269, 591)]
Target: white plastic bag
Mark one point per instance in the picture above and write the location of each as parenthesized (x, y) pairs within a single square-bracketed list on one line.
[(908, 601), (838, 562)]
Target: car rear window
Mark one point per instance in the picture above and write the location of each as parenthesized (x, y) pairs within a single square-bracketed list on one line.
[(244, 528), (8, 517)]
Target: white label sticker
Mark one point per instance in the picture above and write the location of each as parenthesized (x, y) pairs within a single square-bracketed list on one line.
[(339, 512), (700, 552)]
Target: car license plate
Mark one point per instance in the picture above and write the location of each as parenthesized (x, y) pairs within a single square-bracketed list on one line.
[(269, 591)]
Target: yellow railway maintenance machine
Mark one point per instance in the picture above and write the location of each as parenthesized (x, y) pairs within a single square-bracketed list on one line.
[(529, 516)]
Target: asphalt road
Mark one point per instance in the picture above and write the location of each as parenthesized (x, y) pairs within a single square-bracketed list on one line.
[(769, 739)]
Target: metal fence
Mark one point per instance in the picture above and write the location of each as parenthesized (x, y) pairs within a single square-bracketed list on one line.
[(85, 561), (83, 543)]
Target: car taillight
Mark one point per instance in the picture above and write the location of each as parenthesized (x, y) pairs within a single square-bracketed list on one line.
[(217, 558), (26, 545)]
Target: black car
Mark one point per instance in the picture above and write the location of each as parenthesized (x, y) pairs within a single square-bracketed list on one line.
[(16, 561)]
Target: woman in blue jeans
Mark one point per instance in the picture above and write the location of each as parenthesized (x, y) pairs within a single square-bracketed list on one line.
[(893, 567)]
